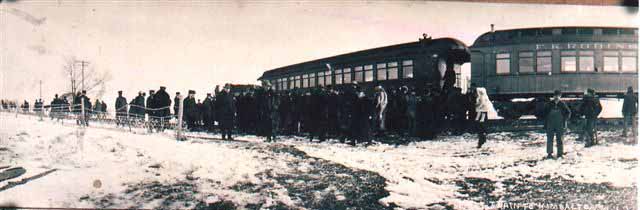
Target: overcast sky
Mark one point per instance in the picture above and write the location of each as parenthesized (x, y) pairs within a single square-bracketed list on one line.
[(145, 44)]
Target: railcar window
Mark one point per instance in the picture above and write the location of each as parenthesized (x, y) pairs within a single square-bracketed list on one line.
[(327, 78), (586, 61), (312, 80), (305, 80), (382, 71), (338, 76), (291, 83), (368, 73), (568, 61), (393, 70), (407, 69), (629, 61), (347, 75), (543, 61), (611, 61), (320, 78), (597, 31), (358, 73), (503, 63), (298, 82), (557, 31), (525, 62)]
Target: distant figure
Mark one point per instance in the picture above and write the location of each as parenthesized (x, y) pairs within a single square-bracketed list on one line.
[(121, 109), (629, 111), (362, 117), (176, 104), (590, 108), (556, 115), (163, 106), (226, 107), (483, 106), (381, 101), (190, 110)]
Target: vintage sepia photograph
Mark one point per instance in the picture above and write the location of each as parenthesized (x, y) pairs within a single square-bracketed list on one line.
[(319, 104)]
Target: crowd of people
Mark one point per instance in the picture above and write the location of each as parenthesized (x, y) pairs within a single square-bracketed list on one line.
[(348, 113)]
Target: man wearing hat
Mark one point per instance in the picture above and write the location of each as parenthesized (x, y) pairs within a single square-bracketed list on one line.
[(163, 104), (226, 107), (208, 108), (190, 110), (176, 104), (121, 109), (556, 113), (629, 111), (590, 108)]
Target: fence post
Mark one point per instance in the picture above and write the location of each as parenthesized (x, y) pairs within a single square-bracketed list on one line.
[(180, 114), (82, 118)]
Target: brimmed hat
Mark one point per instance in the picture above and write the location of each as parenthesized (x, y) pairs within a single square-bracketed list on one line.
[(163, 87), (192, 92), (120, 91)]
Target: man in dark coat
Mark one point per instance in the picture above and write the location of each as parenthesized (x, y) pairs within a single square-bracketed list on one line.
[(87, 108), (629, 111), (163, 104), (470, 102), (190, 110), (56, 108), (176, 104), (556, 113), (364, 111), (226, 106), (332, 108), (208, 108), (121, 109), (150, 109), (590, 108)]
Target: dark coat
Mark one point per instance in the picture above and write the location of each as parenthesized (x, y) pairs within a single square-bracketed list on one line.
[(225, 104), (630, 104), (121, 106), (151, 105), (190, 109), (556, 115), (590, 107), (363, 113), (265, 107), (162, 100)]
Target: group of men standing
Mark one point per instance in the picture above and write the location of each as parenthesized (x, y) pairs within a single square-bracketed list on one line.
[(156, 106)]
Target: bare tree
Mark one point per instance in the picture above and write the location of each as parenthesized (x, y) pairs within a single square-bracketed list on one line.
[(82, 73)]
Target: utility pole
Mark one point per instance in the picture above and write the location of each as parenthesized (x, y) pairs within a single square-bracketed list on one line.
[(83, 64)]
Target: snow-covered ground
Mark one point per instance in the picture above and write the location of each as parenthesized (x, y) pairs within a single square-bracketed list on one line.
[(103, 166)]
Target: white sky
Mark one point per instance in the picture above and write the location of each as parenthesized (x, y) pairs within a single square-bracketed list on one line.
[(196, 45)]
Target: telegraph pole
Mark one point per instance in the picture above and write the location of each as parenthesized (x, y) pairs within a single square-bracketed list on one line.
[(83, 64)]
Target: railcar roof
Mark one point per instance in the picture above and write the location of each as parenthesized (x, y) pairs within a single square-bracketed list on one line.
[(408, 45), (484, 39)]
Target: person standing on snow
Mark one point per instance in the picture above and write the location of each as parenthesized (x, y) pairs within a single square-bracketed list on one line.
[(483, 106), (629, 110), (590, 108), (381, 106), (556, 113)]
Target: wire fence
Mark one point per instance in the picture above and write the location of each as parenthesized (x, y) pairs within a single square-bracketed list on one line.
[(140, 119)]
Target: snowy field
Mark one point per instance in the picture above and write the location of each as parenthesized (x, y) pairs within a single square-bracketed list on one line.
[(107, 167)]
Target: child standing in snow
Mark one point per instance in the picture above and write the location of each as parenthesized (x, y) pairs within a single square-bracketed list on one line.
[(483, 105)]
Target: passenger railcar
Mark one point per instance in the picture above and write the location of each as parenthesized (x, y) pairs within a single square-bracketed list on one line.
[(533, 62), (415, 63)]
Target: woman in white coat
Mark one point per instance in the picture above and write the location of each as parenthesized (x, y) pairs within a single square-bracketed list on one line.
[(483, 105)]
